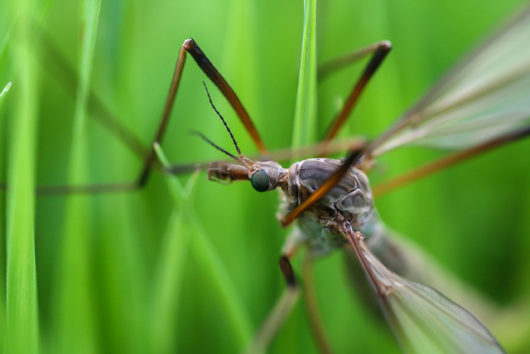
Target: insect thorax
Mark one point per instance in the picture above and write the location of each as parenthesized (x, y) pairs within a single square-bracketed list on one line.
[(351, 199)]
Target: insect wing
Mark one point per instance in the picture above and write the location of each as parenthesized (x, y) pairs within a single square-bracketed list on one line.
[(422, 319), (483, 97)]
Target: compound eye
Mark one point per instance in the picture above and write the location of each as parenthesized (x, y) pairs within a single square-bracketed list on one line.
[(260, 181)]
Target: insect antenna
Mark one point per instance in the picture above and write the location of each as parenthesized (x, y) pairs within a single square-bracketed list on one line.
[(225, 124), (203, 137)]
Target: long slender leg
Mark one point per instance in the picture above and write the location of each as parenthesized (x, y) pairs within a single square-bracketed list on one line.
[(189, 46), (447, 161), (280, 311), (354, 158), (149, 160), (334, 65), (209, 69), (379, 50), (380, 53), (311, 305), (173, 89)]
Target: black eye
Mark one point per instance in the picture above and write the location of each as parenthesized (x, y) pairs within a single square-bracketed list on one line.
[(260, 181)]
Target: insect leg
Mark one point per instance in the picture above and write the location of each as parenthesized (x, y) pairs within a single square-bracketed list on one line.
[(191, 47), (149, 159), (334, 65), (379, 50), (453, 159), (280, 311), (409, 177), (209, 69)]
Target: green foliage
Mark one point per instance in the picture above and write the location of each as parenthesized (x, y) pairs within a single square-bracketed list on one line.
[(187, 265), (20, 331), (72, 288), (305, 116)]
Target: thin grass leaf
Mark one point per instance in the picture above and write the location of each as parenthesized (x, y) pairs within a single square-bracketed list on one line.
[(175, 187), (305, 117), (74, 288), (5, 38), (6, 89), (167, 285), (241, 68), (304, 130), (170, 267), (2, 238), (21, 282), (121, 277), (223, 287), (2, 242), (237, 315)]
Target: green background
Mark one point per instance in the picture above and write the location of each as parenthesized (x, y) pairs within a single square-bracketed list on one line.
[(138, 272)]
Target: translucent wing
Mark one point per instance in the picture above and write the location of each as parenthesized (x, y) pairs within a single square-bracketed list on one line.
[(423, 320), (483, 97)]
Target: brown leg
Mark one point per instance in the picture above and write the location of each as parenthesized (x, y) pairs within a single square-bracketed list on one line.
[(189, 46), (447, 161), (379, 50)]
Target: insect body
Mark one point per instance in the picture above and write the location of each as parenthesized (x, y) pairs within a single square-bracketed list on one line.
[(349, 200), (333, 204), (345, 216)]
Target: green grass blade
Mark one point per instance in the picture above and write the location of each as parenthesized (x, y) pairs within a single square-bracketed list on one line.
[(74, 288), (223, 287), (168, 281), (3, 337), (304, 132), (170, 268), (7, 30), (305, 117), (5, 89), (21, 284), (167, 285)]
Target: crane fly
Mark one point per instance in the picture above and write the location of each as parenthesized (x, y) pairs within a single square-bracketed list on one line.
[(479, 105)]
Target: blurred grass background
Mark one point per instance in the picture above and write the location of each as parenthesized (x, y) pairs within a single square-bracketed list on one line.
[(167, 270)]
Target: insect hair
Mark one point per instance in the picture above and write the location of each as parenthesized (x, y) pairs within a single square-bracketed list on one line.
[(203, 137), (224, 122)]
